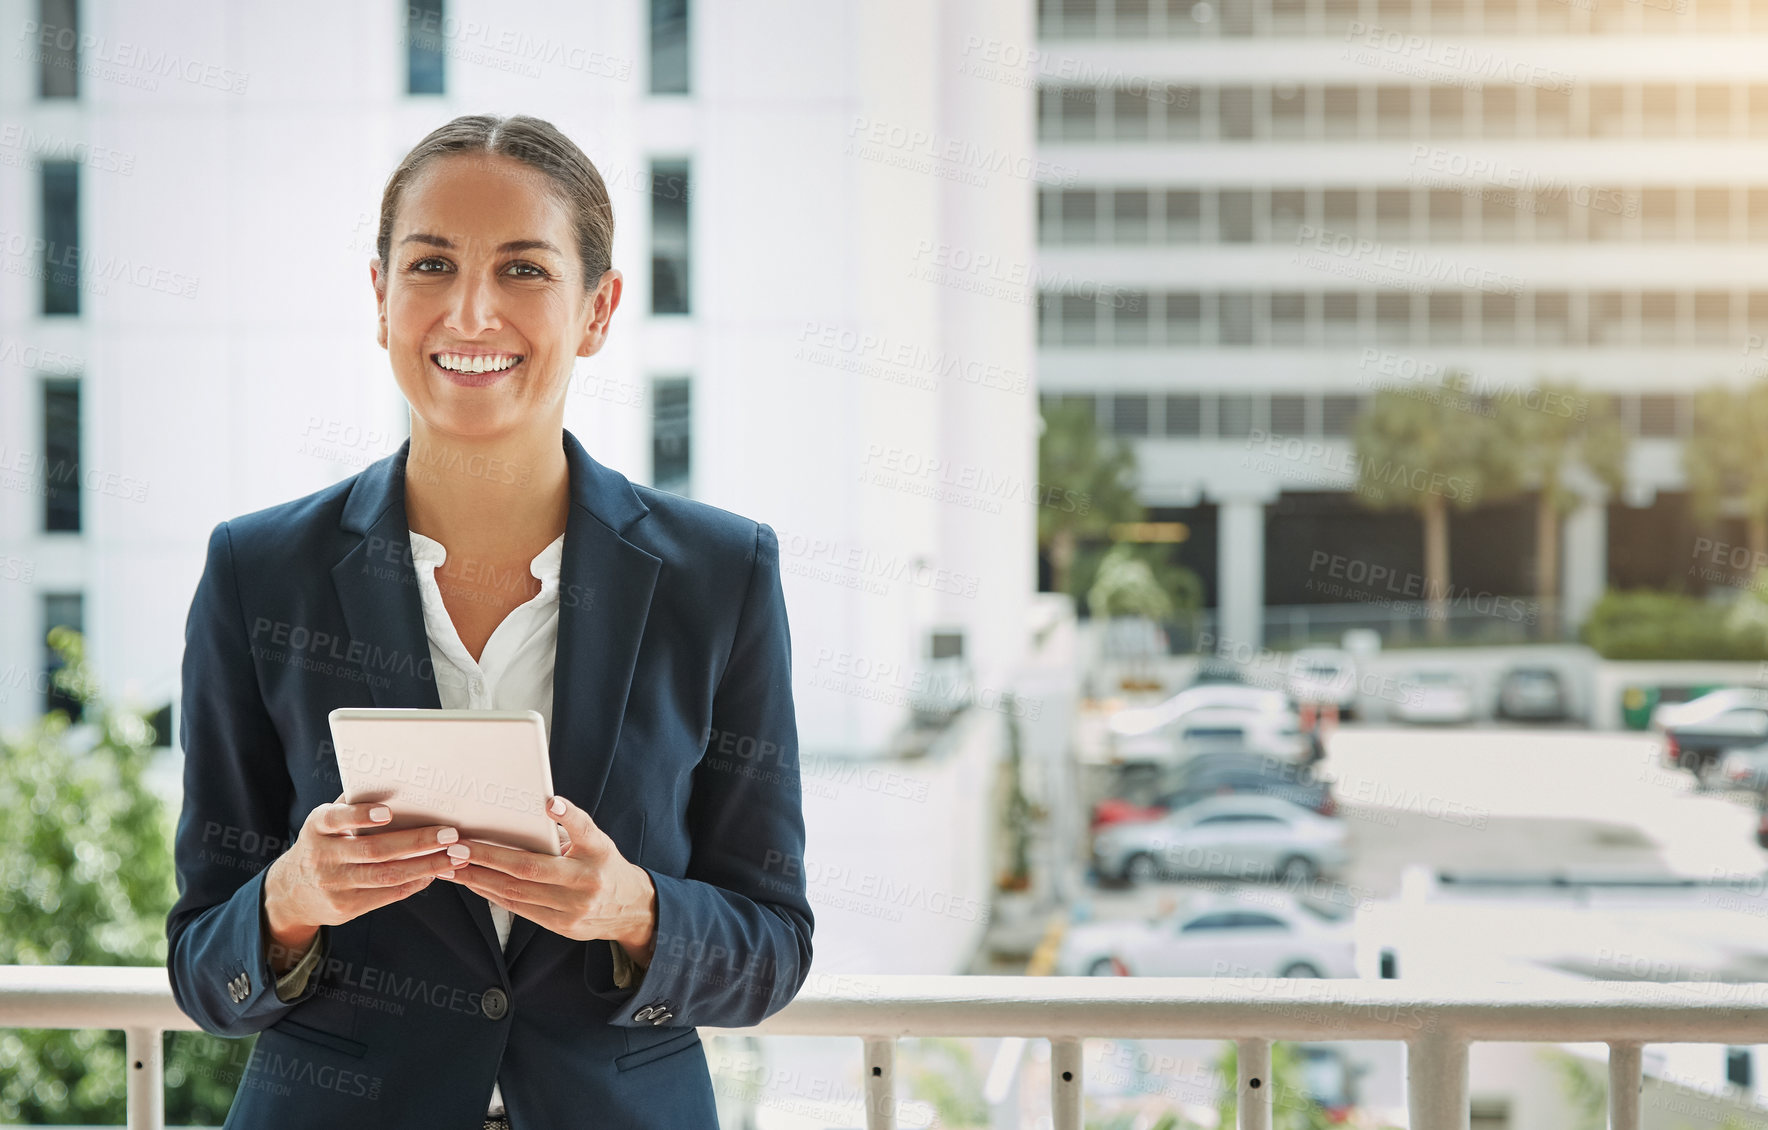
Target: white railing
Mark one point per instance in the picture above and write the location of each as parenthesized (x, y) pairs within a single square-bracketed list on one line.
[(1437, 1023)]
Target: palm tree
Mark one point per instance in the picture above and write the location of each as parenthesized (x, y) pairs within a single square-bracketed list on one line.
[(1427, 450), (1550, 438), (1730, 460), (1085, 485)]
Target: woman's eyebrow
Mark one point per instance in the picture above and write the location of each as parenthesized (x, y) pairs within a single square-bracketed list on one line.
[(512, 245)]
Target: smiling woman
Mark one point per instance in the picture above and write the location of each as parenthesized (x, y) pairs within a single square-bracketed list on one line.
[(491, 564)]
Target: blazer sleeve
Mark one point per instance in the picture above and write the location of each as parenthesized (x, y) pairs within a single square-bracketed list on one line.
[(733, 936), (234, 822)]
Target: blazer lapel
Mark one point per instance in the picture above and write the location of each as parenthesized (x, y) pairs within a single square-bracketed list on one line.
[(605, 587)]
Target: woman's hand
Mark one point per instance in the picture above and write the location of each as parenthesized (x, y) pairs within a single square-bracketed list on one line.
[(591, 891), (330, 875)]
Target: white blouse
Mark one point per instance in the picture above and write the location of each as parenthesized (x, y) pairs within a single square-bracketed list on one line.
[(514, 670)]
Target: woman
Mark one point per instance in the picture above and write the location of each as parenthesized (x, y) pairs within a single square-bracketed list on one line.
[(490, 563)]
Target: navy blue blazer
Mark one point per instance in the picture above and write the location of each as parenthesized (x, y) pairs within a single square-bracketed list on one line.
[(673, 727)]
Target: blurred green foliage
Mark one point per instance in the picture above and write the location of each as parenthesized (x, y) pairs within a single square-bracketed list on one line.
[(86, 878), (1645, 624)]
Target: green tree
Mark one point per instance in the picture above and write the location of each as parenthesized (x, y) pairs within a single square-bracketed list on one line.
[(1727, 458), (1550, 437), (1427, 450), (86, 878), (1086, 483)]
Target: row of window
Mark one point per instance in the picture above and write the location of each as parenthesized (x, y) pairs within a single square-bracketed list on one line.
[(1558, 108), (59, 189), (429, 27), (1550, 212), (1576, 318), (1311, 415), (1190, 19)]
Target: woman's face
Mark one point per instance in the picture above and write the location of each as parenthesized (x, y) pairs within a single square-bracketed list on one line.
[(482, 303)]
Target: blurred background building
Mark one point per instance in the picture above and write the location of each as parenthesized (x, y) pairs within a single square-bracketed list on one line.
[(1277, 205)]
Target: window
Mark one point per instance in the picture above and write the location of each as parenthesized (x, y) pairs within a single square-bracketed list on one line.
[(61, 237), (424, 70), (1289, 320), (1080, 216), (1393, 317), (1234, 416), (1446, 321), (60, 610), (669, 237), (1079, 119), (1184, 414), (1184, 216), (1553, 318), (1658, 420), (1338, 317), (1129, 415), (669, 46), (1338, 414), (1234, 215), (1184, 318), (1234, 111), (1289, 414), (1289, 212), (1080, 320), (1129, 321), (1130, 115), (1129, 216), (671, 435), (57, 43), (61, 456), (1497, 319), (1234, 319), (1208, 922)]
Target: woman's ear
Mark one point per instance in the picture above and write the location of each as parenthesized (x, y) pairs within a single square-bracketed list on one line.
[(380, 299), (602, 303)]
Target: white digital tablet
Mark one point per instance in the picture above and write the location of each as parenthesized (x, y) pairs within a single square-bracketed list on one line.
[(485, 772)]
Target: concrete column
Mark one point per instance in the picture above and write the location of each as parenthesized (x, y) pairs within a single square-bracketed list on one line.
[(1240, 572), (1584, 570)]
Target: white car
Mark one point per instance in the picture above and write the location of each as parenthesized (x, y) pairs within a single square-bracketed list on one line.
[(1235, 835), (1248, 933), (1213, 716), (1668, 715), (1324, 674), (1439, 697)]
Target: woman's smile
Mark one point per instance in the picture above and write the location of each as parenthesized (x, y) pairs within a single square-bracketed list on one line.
[(475, 370)]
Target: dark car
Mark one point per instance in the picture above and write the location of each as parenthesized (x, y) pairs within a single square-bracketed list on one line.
[(1532, 694)]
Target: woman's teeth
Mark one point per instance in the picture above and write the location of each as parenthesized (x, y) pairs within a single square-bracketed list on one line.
[(492, 363)]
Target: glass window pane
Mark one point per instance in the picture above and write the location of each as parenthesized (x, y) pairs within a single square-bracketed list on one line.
[(669, 46), (425, 47), (670, 237)]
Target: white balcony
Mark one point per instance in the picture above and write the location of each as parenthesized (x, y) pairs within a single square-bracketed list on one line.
[(1436, 1023)]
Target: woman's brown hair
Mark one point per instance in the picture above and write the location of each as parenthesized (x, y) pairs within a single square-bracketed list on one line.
[(537, 144)]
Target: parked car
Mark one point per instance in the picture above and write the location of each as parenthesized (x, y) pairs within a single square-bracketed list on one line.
[(1668, 715), (1248, 933), (1698, 733), (1219, 773), (1250, 718), (1533, 694), (1439, 697), (1321, 675), (1238, 835)]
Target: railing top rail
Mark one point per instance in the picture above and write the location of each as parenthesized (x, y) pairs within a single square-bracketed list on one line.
[(63, 996)]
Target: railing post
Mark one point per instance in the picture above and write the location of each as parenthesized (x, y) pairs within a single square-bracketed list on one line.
[(146, 1096), (1436, 1083), (880, 1082), (1254, 1098), (1625, 1078), (1065, 1083)]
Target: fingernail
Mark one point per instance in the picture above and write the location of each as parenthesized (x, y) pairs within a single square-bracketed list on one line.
[(558, 806), (447, 836), (459, 851), (380, 813)]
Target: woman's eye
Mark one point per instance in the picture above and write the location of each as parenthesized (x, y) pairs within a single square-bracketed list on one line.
[(537, 272), (419, 265)]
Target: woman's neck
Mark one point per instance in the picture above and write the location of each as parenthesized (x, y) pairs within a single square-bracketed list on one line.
[(504, 493)]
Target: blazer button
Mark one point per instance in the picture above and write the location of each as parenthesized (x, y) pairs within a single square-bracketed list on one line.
[(495, 1002)]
